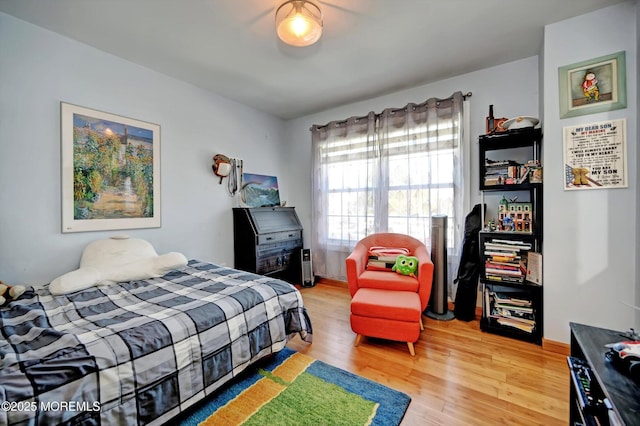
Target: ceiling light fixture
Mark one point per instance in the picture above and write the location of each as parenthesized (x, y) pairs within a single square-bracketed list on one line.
[(299, 22)]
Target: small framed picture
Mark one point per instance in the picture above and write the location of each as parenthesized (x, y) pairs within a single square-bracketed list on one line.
[(535, 174), (591, 86)]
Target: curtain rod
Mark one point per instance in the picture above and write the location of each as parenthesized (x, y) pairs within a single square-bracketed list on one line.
[(464, 97)]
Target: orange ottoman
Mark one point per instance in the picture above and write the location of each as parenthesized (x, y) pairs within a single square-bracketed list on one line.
[(386, 314)]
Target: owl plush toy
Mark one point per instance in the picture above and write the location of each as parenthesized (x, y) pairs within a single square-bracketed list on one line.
[(406, 265)]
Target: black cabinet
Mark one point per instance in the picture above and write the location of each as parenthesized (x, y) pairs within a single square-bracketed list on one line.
[(268, 241), (510, 174), (600, 394)]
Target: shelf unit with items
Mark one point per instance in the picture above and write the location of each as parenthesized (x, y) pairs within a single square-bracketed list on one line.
[(511, 179), (511, 305)]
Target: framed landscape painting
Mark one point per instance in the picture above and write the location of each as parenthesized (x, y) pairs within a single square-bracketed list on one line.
[(110, 171), (259, 190), (591, 86)]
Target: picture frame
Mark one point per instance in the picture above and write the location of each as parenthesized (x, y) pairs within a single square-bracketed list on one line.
[(595, 155), (110, 171), (594, 85), (259, 190)]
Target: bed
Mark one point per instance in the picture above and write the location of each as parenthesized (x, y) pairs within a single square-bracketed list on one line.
[(142, 351)]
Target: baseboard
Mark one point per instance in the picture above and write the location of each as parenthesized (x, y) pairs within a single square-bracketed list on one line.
[(331, 282), (556, 347)]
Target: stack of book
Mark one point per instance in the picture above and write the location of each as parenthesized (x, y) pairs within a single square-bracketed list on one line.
[(510, 311), (497, 172), (504, 172), (506, 260)]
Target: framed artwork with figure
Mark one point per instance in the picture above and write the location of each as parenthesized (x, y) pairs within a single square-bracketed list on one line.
[(110, 171), (591, 86)]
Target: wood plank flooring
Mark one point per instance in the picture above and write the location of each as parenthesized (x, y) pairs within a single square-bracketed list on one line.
[(459, 376)]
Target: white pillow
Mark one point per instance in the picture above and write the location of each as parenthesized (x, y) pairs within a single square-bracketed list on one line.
[(113, 260)]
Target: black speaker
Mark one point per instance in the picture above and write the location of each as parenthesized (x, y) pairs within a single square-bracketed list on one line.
[(306, 268)]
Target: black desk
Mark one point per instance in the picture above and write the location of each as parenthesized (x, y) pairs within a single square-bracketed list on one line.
[(588, 343)]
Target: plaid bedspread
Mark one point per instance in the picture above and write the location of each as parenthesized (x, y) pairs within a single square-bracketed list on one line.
[(139, 352)]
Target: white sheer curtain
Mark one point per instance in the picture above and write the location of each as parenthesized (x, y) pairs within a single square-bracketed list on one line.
[(387, 173), (345, 167)]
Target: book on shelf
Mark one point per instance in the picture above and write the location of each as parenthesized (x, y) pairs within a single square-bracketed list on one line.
[(498, 163), (506, 251), (510, 310), (524, 319), (505, 259), (519, 265), (507, 266), (524, 174), (514, 311), (511, 242), (516, 302), (514, 272), (501, 258), (505, 248), (534, 267), (508, 244), (505, 172), (504, 278), (506, 298), (511, 322), (487, 303), (504, 271), (502, 253)]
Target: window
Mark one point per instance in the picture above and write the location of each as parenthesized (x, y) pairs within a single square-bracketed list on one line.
[(385, 173), (420, 184)]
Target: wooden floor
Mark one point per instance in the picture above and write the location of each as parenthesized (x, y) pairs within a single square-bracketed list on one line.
[(459, 376)]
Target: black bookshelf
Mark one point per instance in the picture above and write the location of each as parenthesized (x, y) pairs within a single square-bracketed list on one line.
[(519, 322)]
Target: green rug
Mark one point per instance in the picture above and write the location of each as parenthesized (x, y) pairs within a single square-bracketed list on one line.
[(294, 389)]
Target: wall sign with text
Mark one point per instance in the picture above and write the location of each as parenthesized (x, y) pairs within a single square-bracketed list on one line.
[(595, 155)]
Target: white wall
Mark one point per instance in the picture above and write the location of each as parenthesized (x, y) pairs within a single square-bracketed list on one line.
[(38, 69), (590, 237), (512, 89)]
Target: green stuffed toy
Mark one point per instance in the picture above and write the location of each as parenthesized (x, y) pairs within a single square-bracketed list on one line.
[(406, 265)]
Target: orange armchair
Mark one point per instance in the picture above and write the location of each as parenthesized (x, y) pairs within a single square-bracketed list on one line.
[(385, 304)]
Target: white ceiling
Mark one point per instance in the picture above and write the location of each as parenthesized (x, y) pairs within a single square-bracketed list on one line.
[(368, 48)]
